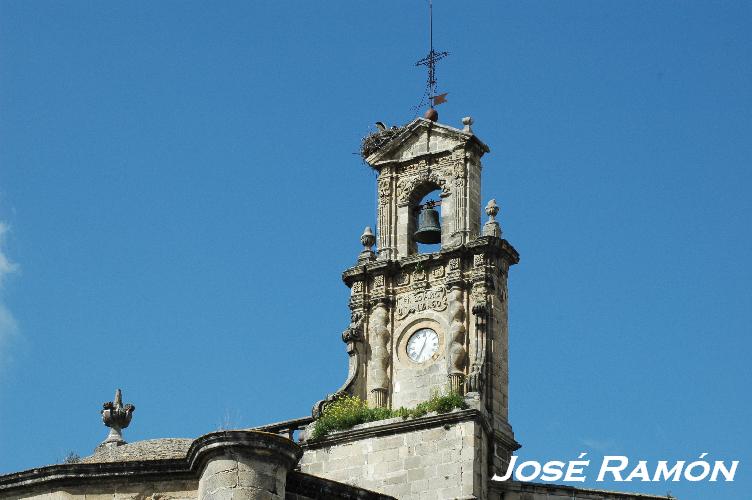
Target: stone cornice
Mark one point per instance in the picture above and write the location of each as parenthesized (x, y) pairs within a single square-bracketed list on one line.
[(381, 157), (310, 486), (482, 244), (272, 446), (398, 425)]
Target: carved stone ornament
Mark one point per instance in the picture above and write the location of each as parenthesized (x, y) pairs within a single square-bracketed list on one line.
[(379, 336), (419, 275), (354, 332), (385, 190), (454, 264), (437, 272), (492, 227), (403, 279), (406, 186), (421, 300), (457, 330), (479, 293), (117, 417), (378, 281), (415, 167), (367, 239), (357, 287), (459, 171)]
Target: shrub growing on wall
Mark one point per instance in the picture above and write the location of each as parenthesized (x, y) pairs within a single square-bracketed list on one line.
[(348, 411)]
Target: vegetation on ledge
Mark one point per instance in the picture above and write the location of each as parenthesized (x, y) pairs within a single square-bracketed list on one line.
[(348, 411)]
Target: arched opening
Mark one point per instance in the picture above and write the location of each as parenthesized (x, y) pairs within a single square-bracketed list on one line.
[(425, 220)]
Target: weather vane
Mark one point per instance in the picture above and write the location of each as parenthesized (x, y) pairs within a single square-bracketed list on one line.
[(430, 62)]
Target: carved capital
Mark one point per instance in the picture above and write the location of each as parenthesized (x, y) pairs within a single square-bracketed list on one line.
[(480, 308)]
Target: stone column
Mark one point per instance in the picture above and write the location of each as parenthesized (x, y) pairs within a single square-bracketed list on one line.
[(379, 339), (457, 330), (244, 465)]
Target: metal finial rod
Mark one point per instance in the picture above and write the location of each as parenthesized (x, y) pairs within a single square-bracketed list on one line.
[(430, 25), (433, 57)]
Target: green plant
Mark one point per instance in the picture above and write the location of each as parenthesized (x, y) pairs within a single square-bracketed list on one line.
[(349, 411)]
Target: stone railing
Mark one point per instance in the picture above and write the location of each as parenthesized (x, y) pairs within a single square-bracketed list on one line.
[(287, 428)]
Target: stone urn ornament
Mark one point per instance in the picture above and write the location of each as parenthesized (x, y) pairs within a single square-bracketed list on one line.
[(116, 416)]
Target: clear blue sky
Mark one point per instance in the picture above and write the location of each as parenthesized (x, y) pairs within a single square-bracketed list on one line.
[(179, 195)]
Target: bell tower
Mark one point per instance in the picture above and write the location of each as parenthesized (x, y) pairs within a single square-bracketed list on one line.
[(431, 322), (430, 158)]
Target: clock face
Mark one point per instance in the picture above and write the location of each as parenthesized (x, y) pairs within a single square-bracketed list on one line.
[(422, 345)]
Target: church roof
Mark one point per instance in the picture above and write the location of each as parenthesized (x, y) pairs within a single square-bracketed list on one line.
[(151, 449)]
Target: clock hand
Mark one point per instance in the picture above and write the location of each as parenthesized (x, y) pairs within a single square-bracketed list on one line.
[(423, 346)]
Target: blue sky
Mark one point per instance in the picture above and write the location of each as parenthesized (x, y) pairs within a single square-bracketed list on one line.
[(179, 195)]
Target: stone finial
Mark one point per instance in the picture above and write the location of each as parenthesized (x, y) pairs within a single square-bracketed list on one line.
[(116, 416), (367, 239), (492, 209), (467, 121), (492, 227)]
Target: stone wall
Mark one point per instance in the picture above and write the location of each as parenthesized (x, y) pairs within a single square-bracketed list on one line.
[(432, 458), (242, 476)]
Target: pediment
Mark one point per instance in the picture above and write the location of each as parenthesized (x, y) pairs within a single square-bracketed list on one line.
[(421, 137)]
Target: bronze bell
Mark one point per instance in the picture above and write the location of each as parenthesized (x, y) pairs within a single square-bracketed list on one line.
[(429, 228)]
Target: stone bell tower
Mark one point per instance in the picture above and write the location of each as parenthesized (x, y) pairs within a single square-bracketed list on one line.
[(425, 323)]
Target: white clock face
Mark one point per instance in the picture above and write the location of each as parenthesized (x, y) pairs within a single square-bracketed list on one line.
[(422, 345)]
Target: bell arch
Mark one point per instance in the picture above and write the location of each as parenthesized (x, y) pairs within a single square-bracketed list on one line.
[(411, 189), (424, 192)]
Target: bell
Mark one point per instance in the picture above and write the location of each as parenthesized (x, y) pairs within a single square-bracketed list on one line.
[(429, 229)]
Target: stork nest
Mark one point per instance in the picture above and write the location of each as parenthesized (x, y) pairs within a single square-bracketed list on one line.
[(376, 140)]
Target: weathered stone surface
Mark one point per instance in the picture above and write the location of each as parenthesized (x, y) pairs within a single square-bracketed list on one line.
[(153, 449), (413, 459)]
